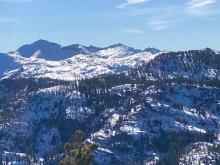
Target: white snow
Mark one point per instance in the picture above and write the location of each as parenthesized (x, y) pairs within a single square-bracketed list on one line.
[(51, 61), (105, 150), (199, 154), (130, 129)]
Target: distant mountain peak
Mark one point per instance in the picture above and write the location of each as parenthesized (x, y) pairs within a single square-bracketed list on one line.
[(117, 45), (81, 49), (73, 46), (152, 50), (44, 42), (48, 49), (52, 51), (120, 44)]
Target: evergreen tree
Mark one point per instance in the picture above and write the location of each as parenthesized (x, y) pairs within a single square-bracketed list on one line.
[(78, 152)]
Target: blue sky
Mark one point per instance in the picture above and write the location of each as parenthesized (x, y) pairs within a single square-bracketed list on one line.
[(164, 24)]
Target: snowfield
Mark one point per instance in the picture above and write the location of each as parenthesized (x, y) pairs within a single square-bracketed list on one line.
[(70, 63)]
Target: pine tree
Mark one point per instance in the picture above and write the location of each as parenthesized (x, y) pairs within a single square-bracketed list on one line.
[(78, 152)]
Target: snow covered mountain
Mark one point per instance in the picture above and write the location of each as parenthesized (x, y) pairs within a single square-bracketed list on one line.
[(140, 107), (45, 59), (52, 51)]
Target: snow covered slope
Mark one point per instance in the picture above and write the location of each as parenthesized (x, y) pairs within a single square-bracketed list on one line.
[(45, 59), (7, 64), (128, 121)]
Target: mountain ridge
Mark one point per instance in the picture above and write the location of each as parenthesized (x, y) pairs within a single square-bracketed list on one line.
[(47, 59), (69, 50)]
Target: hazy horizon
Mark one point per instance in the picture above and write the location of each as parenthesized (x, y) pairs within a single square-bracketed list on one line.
[(170, 25), (63, 45)]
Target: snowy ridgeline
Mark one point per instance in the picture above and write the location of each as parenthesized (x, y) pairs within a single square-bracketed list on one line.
[(50, 60), (45, 59)]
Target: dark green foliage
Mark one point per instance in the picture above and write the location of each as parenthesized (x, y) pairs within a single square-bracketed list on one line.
[(78, 152)]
